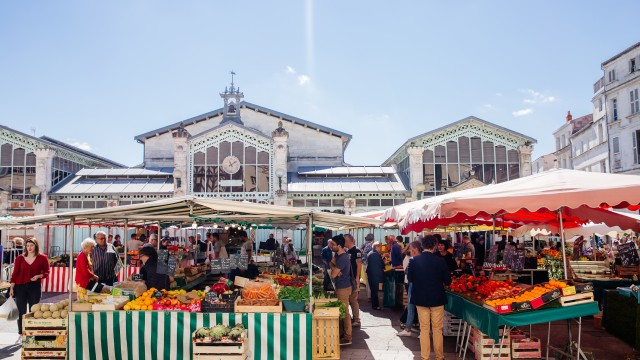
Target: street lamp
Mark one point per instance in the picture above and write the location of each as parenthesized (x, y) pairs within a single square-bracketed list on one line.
[(420, 190), (36, 192), (177, 174)]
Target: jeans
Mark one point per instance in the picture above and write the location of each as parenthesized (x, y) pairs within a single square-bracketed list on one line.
[(24, 294), (343, 296), (411, 310), (431, 317)]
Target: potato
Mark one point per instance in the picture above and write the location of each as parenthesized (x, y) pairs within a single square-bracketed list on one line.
[(37, 314), (53, 308), (35, 308), (46, 315), (55, 314), (44, 307), (63, 314)]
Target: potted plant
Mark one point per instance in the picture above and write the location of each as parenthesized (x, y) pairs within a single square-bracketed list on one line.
[(294, 298)]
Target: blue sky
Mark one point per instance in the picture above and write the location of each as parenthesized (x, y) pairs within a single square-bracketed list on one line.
[(96, 74)]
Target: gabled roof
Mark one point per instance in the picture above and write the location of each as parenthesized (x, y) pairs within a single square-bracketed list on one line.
[(53, 143), (117, 181), (196, 119), (467, 119), (218, 127), (350, 179)]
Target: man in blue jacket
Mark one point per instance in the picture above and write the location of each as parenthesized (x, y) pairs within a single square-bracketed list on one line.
[(429, 275), (375, 273)]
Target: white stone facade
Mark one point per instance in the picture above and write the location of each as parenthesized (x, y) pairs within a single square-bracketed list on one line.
[(543, 163), (620, 88), (590, 149), (563, 145)]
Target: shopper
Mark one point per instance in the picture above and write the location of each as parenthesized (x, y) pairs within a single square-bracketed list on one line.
[(28, 270), (341, 275), (105, 259), (247, 245), (149, 271), (395, 250), (327, 257), (85, 275), (443, 251), (415, 249), (429, 275), (116, 242), (219, 248), (375, 273), (134, 244), (355, 256)]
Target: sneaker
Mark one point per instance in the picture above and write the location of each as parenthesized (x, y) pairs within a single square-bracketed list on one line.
[(356, 324), (404, 333), (402, 326), (345, 341)]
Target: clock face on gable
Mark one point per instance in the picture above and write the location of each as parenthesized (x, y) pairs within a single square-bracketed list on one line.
[(231, 164)]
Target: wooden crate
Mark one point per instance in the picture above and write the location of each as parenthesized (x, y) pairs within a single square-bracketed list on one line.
[(517, 335), (530, 348), (30, 322), (576, 299), (220, 350), (219, 357), (318, 303), (325, 336), (627, 271), (257, 309), (44, 354), (45, 342)]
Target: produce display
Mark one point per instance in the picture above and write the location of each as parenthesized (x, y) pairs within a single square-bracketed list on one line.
[(290, 280), (167, 300), (220, 333), (259, 295), (58, 310), (294, 293), (529, 295)]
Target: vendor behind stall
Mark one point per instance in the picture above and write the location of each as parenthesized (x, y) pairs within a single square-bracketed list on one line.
[(149, 271)]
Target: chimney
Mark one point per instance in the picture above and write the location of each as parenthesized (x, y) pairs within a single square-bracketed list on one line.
[(569, 117)]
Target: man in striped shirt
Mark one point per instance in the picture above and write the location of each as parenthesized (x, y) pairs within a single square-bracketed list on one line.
[(105, 259)]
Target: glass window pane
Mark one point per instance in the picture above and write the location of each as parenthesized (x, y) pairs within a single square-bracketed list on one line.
[(440, 156), (514, 171), (62, 204), (6, 152), (477, 172), (452, 152), (198, 158), (88, 204), (75, 204), (476, 151), (30, 177), (17, 184), (263, 158), (212, 179), (263, 178), (386, 202), (439, 177), (427, 157), (429, 177), (324, 202), (31, 159), (501, 172), (212, 156), (501, 154), (101, 204), (250, 155), (453, 175), (311, 203), (398, 201), (374, 202), (18, 157), (487, 147), (238, 150), (465, 154), (464, 171), (198, 178), (512, 155), (489, 173), (225, 149), (298, 202), (250, 181), (361, 202)]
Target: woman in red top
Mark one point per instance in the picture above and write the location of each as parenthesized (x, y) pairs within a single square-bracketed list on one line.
[(85, 277), (28, 270)]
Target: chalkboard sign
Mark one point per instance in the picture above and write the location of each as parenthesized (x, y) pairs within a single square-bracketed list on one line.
[(628, 254), (233, 262), (508, 255), (518, 260), (493, 254), (225, 265), (136, 277), (161, 267), (211, 296), (243, 262), (216, 266), (172, 264)]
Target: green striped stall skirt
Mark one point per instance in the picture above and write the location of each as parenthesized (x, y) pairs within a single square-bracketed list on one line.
[(144, 335)]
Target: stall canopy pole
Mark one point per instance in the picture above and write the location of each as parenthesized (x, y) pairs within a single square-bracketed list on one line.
[(309, 259), (126, 237), (71, 234), (47, 241), (564, 255)]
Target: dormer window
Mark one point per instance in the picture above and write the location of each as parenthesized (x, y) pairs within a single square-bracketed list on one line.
[(633, 66)]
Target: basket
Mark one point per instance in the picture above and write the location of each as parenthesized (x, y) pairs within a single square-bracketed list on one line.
[(293, 305)]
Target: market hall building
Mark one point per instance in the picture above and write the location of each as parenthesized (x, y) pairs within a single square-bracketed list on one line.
[(247, 152)]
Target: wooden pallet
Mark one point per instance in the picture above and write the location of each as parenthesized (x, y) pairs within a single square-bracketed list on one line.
[(530, 348), (576, 299)]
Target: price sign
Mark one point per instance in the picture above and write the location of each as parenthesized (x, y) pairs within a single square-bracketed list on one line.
[(157, 294), (628, 254), (172, 264), (161, 267), (225, 265), (216, 266), (518, 259), (233, 262), (243, 262), (211, 296), (136, 277), (493, 254)]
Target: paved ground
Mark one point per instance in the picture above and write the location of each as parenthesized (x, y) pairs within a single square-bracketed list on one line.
[(377, 338)]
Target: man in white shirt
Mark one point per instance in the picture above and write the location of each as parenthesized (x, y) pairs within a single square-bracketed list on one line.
[(134, 244)]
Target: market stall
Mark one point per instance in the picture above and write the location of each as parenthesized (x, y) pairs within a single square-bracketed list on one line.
[(171, 317), (58, 278)]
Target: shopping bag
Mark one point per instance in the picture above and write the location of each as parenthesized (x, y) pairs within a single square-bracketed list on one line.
[(9, 310)]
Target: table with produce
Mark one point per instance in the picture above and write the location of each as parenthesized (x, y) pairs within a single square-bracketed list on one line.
[(265, 318), (487, 304)]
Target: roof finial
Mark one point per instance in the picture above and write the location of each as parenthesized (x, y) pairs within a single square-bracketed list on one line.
[(232, 73), (569, 117)]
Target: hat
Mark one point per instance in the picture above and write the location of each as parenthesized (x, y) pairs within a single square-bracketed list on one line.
[(369, 237)]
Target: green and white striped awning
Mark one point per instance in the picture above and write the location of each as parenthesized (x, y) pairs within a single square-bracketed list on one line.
[(151, 335)]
